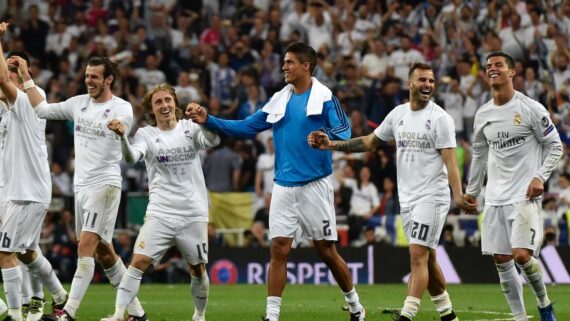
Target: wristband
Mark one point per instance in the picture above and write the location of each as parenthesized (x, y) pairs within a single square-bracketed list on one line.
[(29, 84)]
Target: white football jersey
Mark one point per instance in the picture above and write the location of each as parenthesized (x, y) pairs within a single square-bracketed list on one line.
[(176, 180), (419, 136), (25, 165), (513, 135), (97, 149)]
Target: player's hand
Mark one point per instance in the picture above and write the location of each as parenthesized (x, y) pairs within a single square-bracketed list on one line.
[(468, 204), (197, 113), (117, 126), (318, 140), (3, 28), (22, 66), (535, 188)]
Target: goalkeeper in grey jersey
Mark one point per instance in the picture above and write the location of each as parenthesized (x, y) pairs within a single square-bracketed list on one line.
[(517, 145)]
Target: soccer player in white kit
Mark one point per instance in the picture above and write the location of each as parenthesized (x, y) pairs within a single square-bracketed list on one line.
[(517, 146), (97, 177), (426, 166), (26, 194), (177, 212)]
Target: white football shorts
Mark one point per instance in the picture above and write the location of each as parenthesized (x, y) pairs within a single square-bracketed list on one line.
[(511, 226), (96, 210), (157, 235), (309, 207), (424, 221), (21, 225)]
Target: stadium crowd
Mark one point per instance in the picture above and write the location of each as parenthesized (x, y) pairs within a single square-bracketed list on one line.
[(227, 55)]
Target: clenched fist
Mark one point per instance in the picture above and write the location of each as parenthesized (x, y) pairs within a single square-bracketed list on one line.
[(318, 139), (117, 126), (197, 113)]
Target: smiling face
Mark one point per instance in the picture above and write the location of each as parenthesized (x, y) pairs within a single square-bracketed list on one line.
[(163, 106), (422, 86), (498, 71), (95, 81), (294, 69)]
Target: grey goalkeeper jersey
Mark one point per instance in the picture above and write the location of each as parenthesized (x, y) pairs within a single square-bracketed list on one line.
[(514, 143)]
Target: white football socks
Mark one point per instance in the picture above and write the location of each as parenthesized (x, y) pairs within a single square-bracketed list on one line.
[(512, 289)]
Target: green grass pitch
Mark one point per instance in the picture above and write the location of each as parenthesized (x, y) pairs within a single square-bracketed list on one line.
[(313, 303)]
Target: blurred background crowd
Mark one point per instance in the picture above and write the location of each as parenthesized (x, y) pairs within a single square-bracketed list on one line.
[(226, 55)]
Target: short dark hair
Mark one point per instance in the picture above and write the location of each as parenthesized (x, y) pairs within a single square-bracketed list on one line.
[(418, 65), (110, 68), (305, 53), (508, 58), (20, 54), (147, 103)]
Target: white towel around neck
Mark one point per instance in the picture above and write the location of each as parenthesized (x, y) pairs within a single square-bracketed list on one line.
[(276, 106)]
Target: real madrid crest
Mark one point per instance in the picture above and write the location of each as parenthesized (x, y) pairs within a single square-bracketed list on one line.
[(141, 244), (518, 119)]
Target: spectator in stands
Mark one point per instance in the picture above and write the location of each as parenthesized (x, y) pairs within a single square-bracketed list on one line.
[(222, 168), (34, 33), (351, 92), (265, 170), (252, 104), (187, 89), (261, 223), (65, 246), (364, 202), (318, 25), (375, 62), (223, 79), (403, 58), (150, 75), (389, 204)]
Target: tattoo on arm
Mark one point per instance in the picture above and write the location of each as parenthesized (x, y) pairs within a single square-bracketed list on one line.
[(353, 145)]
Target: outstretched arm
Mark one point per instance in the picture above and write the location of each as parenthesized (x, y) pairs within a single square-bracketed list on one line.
[(248, 127), (320, 140)]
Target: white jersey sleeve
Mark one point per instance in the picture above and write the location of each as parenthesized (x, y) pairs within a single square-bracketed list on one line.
[(139, 146), (444, 132), (203, 137), (547, 135), (478, 160), (62, 110)]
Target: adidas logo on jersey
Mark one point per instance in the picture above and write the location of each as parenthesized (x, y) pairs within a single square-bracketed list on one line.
[(401, 123)]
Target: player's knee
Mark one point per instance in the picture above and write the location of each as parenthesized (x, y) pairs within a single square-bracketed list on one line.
[(197, 270), (141, 262), (419, 255), (521, 256)]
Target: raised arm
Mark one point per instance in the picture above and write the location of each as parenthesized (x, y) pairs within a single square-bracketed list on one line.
[(30, 88), (9, 91)]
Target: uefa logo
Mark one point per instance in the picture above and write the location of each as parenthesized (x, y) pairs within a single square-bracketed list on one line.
[(224, 272)]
